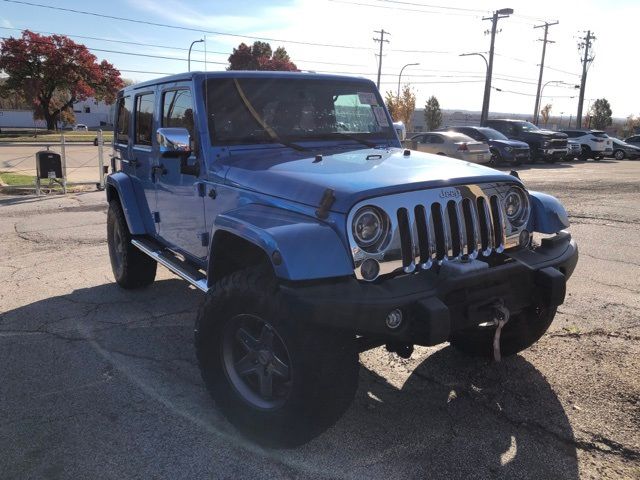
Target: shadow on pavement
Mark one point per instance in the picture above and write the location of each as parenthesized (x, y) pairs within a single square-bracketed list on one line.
[(104, 377)]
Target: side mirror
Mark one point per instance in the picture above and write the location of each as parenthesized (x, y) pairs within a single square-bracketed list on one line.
[(174, 142)]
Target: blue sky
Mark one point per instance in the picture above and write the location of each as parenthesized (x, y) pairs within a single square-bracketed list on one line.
[(431, 36)]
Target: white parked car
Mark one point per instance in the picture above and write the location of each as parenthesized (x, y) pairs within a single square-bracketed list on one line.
[(595, 144), (452, 144), (81, 127)]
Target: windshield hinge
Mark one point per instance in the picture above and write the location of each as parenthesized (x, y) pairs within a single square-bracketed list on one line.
[(326, 203)]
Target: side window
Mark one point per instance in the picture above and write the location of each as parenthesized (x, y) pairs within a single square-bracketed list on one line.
[(144, 118), (426, 139), (177, 110), (123, 121), (437, 139)]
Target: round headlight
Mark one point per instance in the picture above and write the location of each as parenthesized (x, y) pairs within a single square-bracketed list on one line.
[(369, 226), (515, 206)]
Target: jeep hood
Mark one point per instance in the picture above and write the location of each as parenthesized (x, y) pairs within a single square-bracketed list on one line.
[(353, 175)]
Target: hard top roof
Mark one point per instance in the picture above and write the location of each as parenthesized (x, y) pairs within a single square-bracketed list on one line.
[(197, 76)]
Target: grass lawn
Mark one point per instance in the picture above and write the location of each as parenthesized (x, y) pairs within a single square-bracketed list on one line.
[(71, 136), (9, 178)]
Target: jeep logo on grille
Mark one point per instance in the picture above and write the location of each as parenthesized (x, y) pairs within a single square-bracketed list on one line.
[(450, 193)]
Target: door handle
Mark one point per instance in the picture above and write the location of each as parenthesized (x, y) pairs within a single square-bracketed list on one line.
[(158, 168)]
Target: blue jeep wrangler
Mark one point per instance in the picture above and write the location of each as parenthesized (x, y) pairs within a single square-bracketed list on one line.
[(288, 200)]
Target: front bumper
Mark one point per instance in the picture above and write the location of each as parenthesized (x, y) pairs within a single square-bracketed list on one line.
[(434, 308), (554, 153)]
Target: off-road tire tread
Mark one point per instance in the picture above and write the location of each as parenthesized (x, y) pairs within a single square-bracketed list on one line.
[(328, 358), (139, 269)]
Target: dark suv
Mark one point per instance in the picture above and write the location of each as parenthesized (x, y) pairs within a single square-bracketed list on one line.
[(547, 145), (502, 149)]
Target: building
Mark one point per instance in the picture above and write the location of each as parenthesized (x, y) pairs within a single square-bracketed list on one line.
[(90, 112)]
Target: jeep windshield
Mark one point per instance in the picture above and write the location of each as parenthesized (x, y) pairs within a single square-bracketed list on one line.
[(245, 111)]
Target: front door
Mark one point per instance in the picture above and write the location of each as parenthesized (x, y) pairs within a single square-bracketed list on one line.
[(179, 181)]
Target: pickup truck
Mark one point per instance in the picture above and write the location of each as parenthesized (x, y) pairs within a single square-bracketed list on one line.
[(545, 145), (287, 199)]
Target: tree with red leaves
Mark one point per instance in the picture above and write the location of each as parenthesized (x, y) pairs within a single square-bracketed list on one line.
[(53, 73), (260, 57)]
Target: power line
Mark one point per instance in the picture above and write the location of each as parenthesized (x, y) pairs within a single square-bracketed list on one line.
[(178, 27), (168, 47), (404, 9), (118, 52), (433, 6), (382, 41), (544, 51), (586, 44)]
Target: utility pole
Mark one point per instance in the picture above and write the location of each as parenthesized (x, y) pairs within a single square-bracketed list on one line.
[(382, 41), (587, 45), (498, 14), (536, 110)]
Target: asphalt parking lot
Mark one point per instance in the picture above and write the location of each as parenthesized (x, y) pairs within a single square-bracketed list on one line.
[(98, 382)]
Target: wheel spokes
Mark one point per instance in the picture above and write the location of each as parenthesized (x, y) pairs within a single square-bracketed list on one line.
[(279, 368), (266, 384), (249, 343), (266, 337), (246, 365)]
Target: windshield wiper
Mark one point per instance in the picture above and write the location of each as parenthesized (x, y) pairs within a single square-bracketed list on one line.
[(334, 135)]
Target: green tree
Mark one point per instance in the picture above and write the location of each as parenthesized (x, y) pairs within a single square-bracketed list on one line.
[(401, 109), (600, 114), (52, 73), (432, 113), (260, 57)]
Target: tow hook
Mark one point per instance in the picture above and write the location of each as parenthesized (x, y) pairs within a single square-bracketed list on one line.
[(500, 318), (403, 350)]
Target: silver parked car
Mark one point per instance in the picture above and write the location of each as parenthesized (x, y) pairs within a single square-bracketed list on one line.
[(452, 144)]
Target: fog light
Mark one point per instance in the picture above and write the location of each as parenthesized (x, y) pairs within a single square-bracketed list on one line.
[(394, 319), (525, 238), (370, 269)]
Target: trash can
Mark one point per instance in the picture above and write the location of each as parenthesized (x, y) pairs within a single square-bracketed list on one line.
[(49, 164)]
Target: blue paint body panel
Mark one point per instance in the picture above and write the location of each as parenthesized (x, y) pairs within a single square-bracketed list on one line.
[(133, 203), (299, 238), (547, 214), (268, 194)]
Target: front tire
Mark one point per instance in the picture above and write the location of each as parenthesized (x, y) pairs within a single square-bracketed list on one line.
[(619, 154), (496, 159), (131, 267), (519, 333), (278, 379)]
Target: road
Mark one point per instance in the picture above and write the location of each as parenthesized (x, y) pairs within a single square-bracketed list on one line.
[(98, 382), (81, 159)]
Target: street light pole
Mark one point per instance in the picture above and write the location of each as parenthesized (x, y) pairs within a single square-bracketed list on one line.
[(400, 75), (190, 47), (486, 75), (498, 14)]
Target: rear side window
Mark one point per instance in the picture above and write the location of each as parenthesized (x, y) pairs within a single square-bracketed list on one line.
[(144, 118), (124, 119), (177, 110), (571, 134), (600, 134)]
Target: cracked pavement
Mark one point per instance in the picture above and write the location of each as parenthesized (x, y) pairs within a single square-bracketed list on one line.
[(98, 382)]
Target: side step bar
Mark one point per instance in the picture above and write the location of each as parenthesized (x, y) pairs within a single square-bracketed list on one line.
[(167, 258)]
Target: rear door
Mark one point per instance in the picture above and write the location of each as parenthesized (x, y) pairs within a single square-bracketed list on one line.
[(144, 149), (179, 182)]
